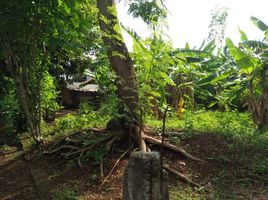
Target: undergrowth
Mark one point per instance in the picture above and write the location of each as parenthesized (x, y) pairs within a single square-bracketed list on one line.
[(188, 193), (234, 125), (85, 119)]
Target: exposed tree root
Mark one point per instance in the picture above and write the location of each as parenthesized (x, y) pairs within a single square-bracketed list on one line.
[(172, 147), (69, 140), (183, 177), (83, 150), (73, 148), (117, 136)]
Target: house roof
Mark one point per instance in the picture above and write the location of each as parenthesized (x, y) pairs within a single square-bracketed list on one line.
[(83, 87)]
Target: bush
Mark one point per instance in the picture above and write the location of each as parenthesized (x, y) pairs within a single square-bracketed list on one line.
[(11, 114), (49, 94)]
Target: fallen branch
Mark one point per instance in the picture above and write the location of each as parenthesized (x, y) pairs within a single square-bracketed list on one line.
[(176, 134), (183, 177), (116, 163), (171, 147), (60, 148), (81, 151), (55, 165), (67, 138), (79, 160), (72, 140), (91, 146)]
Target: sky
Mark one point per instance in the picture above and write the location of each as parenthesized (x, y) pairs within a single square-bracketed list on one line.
[(188, 20)]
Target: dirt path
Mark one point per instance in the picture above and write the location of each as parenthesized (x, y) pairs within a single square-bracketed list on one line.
[(15, 181)]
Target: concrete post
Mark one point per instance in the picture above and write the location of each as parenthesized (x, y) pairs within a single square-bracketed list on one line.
[(142, 178)]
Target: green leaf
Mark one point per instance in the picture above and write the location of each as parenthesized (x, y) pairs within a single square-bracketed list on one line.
[(206, 80), (255, 44), (75, 21), (166, 78), (210, 47), (136, 38), (243, 35), (216, 77), (243, 60), (260, 24), (67, 9), (59, 2)]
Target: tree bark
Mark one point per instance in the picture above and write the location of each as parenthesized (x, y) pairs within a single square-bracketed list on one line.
[(118, 55), (17, 72), (21, 93), (122, 64)]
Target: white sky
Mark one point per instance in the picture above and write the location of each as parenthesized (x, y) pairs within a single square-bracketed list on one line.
[(188, 20)]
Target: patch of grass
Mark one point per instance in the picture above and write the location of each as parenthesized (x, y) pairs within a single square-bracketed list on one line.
[(75, 122), (5, 149), (65, 194), (80, 121), (261, 167), (174, 140), (172, 122), (188, 193), (234, 125)]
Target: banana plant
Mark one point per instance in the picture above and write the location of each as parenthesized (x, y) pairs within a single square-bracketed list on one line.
[(252, 64)]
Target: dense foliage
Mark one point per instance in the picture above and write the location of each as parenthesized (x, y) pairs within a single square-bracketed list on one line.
[(212, 99), (48, 42)]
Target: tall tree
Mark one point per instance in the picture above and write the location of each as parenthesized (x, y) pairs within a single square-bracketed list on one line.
[(121, 63), (33, 35)]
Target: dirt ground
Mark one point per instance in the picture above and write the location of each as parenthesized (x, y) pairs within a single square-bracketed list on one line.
[(226, 172)]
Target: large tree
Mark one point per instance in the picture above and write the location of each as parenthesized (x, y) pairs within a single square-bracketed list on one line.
[(121, 63)]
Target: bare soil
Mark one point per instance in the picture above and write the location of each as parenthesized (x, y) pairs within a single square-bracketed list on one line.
[(227, 172)]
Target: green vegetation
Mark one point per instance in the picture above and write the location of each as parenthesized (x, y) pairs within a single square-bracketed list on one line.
[(177, 193), (65, 194), (217, 94), (234, 125)]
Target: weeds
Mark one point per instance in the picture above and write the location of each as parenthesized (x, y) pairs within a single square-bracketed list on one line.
[(234, 125), (261, 167), (85, 119), (188, 193), (65, 194)]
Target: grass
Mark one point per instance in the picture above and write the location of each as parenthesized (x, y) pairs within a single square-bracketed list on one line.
[(181, 192), (65, 194), (71, 123), (234, 125), (246, 147)]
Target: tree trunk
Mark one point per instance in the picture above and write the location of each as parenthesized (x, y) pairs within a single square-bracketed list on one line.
[(21, 94), (13, 67), (118, 55), (121, 63)]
